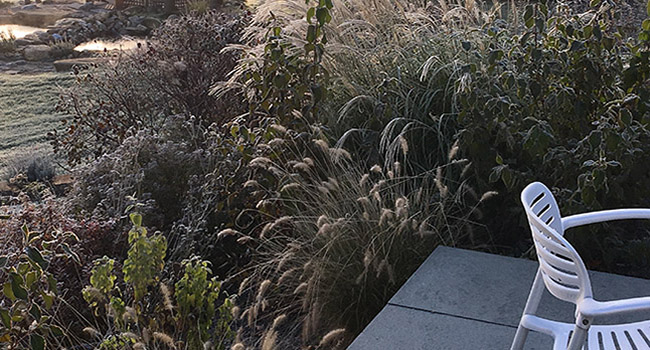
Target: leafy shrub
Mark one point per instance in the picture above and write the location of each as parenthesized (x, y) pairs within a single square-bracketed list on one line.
[(135, 91), (61, 48), (36, 168), (7, 43), (138, 316), (30, 291)]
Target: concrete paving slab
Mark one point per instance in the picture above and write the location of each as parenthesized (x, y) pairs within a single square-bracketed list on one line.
[(494, 288), (399, 328)]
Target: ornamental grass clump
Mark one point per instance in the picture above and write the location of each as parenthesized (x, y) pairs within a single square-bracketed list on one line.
[(340, 242)]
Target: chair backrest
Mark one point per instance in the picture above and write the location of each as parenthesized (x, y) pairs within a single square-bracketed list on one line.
[(563, 271)]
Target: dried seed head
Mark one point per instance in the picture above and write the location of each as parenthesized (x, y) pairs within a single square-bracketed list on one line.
[(277, 142), (453, 151), (302, 287), (386, 216), (242, 285), (227, 232), (338, 154), (279, 129), (487, 195), (301, 167), (244, 239), (208, 345), (238, 346), (130, 315), (164, 338), (364, 180), (251, 183), (164, 290), (322, 144), (376, 169), (235, 312), (331, 338), (260, 162), (266, 230), (268, 342), (130, 335), (279, 320), (263, 287), (92, 332), (397, 166), (139, 346), (364, 201), (404, 145), (290, 187), (323, 219), (285, 275), (308, 161)]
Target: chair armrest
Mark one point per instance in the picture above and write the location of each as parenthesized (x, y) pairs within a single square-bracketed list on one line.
[(604, 215), (592, 308)]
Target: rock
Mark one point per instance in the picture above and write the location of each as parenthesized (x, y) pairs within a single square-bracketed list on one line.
[(87, 6), (151, 22), (29, 7), (36, 52), (138, 30), (23, 42), (68, 22), (57, 37), (68, 64), (33, 39), (135, 21), (42, 36)]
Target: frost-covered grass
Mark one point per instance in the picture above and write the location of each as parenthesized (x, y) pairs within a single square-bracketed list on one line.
[(28, 113)]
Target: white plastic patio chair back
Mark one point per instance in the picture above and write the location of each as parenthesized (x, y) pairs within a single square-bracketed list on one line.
[(563, 273)]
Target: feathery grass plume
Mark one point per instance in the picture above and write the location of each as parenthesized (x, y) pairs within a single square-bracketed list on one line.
[(331, 337), (279, 129), (269, 340), (139, 346), (238, 346), (208, 345), (290, 187), (283, 260), (92, 332), (401, 207), (364, 180), (322, 220), (277, 143), (322, 144), (279, 320), (263, 287), (252, 183), (404, 144), (244, 239), (227, 232), (234, 312), (167, 300), (267, 229), (130, 335), (453, 151), (243, 284), (286, 275), (302, 287), (260, 162), (146, 336), (308, 161), (487, 195), (165, 339), (386, 216), (300, 166), (376, 169), (130, 315)]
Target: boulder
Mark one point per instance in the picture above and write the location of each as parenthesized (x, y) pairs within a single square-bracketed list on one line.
[(68, 64), (36, 52)]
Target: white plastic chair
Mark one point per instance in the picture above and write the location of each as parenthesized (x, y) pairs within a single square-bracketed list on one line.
[(564, 274)]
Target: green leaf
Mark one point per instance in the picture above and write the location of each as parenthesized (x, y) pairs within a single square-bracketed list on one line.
[(56, 331), (36, 256), (311, 33), (310, 13), (18, 290), (648, 8), (35, 311), (3, 261), (37, 341), (5, 318), (594, 3), (499, 160), (136, 219), (8, 292), (323, 16), (646, 24), (466, 45)]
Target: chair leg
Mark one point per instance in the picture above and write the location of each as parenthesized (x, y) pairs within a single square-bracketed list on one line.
[(520, 338), (578, 337)]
